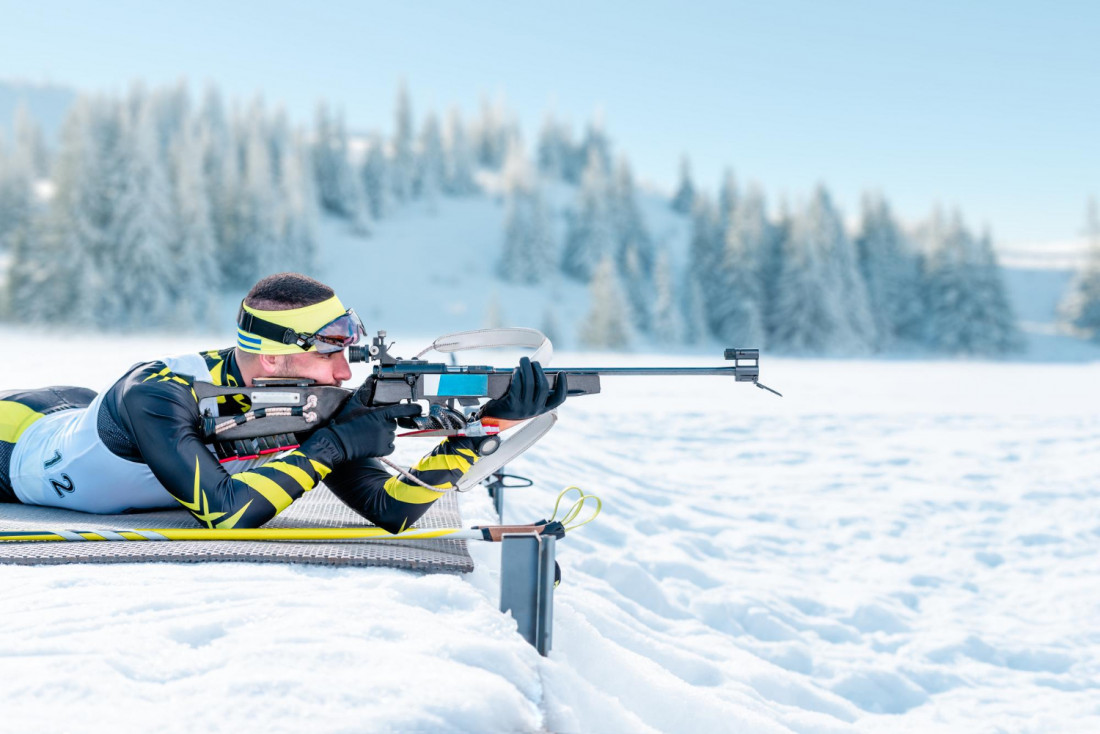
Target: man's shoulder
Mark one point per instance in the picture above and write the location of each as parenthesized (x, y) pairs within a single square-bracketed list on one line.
[(204, 366), (173, 375)]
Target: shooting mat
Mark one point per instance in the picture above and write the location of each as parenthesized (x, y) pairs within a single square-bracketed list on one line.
[(317, 509)]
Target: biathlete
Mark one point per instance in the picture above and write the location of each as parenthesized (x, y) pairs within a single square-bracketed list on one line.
[(139, 445)]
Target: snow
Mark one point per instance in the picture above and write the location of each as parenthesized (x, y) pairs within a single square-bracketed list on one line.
[(902, 545), (897, 544)]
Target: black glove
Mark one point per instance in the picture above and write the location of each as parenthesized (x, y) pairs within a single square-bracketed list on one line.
[(357, 432), (528, 394)]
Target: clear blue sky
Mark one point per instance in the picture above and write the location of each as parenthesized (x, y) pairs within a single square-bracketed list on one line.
[(990, 106)]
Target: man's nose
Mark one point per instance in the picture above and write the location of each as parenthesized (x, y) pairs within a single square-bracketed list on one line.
[(342, 370)]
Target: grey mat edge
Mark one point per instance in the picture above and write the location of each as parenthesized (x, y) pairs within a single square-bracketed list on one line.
[(318, 509)]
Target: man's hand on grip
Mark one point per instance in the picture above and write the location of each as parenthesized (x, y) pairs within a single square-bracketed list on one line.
[(358, 432)]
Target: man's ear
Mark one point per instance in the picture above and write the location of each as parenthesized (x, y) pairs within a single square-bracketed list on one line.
[(268, 363)]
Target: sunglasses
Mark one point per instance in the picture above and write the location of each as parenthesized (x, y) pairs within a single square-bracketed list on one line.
[(335, 336)]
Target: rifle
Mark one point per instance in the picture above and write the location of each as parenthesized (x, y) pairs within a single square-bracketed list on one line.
[(395, 379), (282, 407)]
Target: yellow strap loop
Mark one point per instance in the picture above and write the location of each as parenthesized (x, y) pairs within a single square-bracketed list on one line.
[(575, 509)]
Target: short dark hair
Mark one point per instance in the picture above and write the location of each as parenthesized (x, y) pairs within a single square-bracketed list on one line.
[(284, 291)]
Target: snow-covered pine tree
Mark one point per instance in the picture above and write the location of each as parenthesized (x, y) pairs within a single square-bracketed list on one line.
[(197, 282), (552, 150), (591, 235), (607, 325), (231, 205), (858, 325), (821, 302), (263, 248), (693, 309), (60, 274), (325, 164), (561, 152), (458, 157), (735, 315), (683, 200), (596, 143), (297, 223), (490, 134), (528, 255), (515, 171), (375, 176), (728, 195), (544, 245), (292, 196), (17, 177), (353, 202), (891, 270), (631, 231), (45, 262), (966, 314), (550, 327), (705, 254), (15, 217), (1003, 334), (171, 108), (634, 247), (141, 268), (29, 145), (515, 265), (1080, 306), (220, 171), (279, 139), (339, 188), (402, 165), (638, 287), (804, 313), (942, 278), (771, 263), (668, 323), (6, 171), (430, 169)]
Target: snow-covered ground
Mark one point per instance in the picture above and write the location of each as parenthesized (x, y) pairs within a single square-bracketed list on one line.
[(896, 545), (892, 546)]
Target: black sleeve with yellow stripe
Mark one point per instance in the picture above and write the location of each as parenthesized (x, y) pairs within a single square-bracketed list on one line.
[(395, 503), (160, 412)]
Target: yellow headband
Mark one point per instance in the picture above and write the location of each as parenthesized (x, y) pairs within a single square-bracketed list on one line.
[(306, 320)]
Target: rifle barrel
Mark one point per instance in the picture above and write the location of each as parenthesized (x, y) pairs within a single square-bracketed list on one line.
[(643, 371)]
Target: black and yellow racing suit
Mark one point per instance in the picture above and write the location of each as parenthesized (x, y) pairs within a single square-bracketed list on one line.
[(151, 417)]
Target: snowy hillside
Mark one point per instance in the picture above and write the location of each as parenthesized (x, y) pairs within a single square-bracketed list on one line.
[(429, 268), (893, 546)]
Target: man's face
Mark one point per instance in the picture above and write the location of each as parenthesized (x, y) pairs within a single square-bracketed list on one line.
[(323, 369)]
